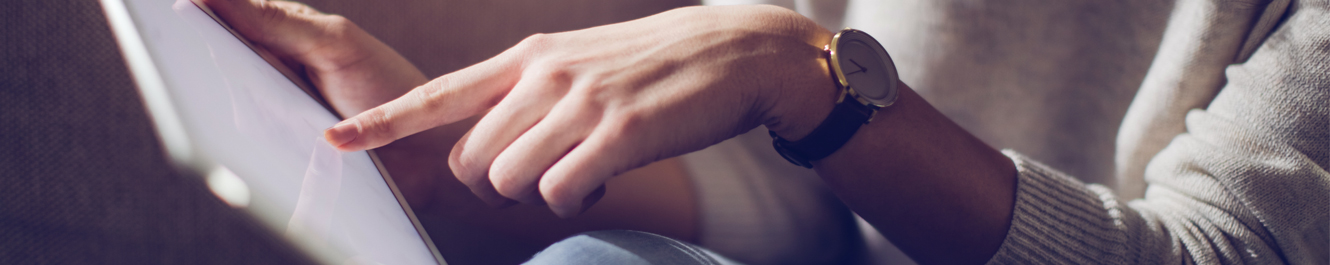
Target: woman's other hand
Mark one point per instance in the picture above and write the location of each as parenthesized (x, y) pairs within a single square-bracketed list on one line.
[(351, 69)]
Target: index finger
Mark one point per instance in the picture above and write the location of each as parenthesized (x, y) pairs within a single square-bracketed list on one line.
[(444, 100)]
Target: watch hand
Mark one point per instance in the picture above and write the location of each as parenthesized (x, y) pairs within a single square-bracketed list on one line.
[(856, 64)]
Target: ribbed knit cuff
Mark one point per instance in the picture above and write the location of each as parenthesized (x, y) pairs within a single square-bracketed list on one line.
[(1059, 220)]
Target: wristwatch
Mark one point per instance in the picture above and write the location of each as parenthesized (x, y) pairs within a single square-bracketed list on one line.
[(866, 78)]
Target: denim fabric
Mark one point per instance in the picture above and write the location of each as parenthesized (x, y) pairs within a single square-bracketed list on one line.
[(626, 248)]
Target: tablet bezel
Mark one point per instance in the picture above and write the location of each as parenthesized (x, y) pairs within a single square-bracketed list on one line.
[(170, 129)]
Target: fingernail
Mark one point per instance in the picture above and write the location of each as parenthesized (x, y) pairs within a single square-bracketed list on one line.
[(342, 133)]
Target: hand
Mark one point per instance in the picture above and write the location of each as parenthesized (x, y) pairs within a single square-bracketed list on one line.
[(352, 70), (572, 109)]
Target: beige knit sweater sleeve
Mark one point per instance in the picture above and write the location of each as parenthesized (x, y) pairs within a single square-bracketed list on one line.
[(1246, 183)]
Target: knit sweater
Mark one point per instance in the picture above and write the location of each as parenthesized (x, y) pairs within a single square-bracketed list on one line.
[(1245, 183), (1228, 138)]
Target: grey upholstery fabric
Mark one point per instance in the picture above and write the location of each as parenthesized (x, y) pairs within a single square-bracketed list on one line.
[(82, 176)]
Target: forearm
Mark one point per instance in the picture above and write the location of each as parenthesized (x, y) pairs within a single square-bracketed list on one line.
[(933, 189)]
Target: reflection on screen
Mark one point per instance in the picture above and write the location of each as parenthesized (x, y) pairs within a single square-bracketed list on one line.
[(244, 114)]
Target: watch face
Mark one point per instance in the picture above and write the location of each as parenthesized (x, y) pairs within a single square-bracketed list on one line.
[(865, 67)]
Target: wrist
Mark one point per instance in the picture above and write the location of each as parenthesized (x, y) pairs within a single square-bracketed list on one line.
[(866, 81), (806, 101)]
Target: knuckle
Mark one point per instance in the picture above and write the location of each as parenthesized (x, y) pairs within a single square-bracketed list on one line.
[(465, 170), (600, 93), (533, 43), (269, 17), (335, 30), (439, 95), (430, 97), (628, 123), (272, 14), (305, 9), (507, 183), (558, 193), (501, 176), (510, 178), (592, 87), (374, 122), (552, 74), (294, 7), (338, 23)]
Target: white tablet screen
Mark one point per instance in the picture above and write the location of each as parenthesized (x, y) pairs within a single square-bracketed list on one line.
[(242, 113)]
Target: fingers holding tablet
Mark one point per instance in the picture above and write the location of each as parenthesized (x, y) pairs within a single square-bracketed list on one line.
[(286, 27), (351, 69)]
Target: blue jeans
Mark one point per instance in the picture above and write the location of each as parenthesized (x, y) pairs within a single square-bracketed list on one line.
[(625, 247)]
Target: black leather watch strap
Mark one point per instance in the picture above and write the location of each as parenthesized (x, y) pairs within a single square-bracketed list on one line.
[(834, 131)]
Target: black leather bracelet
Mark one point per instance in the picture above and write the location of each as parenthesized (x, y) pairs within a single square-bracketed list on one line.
[(829, 136)]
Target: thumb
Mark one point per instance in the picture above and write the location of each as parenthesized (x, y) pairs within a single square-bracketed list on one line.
[(444, 100), (286, 28)]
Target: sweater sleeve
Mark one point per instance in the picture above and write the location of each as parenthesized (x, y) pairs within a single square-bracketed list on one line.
[(1247, 183)]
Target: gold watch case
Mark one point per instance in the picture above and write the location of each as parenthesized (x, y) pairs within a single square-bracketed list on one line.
[(863, 69)]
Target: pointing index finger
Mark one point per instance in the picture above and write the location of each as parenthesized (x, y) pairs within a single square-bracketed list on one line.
[(444, 100)]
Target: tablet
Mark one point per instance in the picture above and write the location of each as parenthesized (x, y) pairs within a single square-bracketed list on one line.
[(225, 113)]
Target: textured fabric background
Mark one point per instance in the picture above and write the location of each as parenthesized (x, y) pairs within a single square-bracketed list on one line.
[(1051, 79), (82, 176)]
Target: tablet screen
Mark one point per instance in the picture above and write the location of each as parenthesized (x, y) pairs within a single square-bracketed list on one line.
[(240, 112)]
